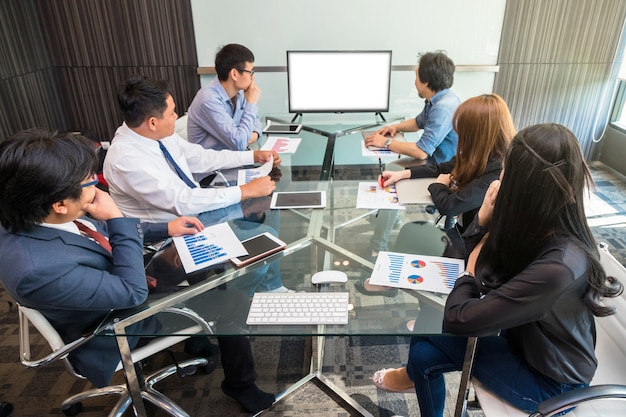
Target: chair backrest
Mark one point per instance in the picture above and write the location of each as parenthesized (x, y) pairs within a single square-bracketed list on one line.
[(421, 238), (180, 126), (610, 351)]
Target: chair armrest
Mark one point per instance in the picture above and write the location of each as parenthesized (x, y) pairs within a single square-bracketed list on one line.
[(189, 313), (574, 397), (57, 354)]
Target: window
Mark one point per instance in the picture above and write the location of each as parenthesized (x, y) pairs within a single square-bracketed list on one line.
[(618, 116)]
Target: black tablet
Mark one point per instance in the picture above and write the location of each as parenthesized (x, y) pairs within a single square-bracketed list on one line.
[(279, 128), (259, 247)]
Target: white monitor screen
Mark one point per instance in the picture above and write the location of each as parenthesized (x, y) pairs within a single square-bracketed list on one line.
[(338, 81)]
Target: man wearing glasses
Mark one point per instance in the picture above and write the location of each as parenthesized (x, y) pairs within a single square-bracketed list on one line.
[(224, 114)]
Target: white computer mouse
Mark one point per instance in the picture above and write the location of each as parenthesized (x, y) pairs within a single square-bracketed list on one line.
[(324, 277)]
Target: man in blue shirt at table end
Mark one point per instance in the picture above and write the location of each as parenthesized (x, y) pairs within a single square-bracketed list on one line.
[(224, 114), (433, 78)]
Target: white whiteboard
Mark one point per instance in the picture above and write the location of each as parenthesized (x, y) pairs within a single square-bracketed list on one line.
[(468, 30)]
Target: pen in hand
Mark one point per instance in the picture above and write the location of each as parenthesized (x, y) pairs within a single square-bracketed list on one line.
[(382, 179)]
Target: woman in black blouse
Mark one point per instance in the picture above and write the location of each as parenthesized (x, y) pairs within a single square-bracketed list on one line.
[(532, 287), (485, 129)]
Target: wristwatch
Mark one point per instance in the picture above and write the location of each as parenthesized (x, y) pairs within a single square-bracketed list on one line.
[(465, 274), (388, 142)]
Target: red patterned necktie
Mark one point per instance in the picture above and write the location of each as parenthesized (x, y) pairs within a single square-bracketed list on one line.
[(97, 236)]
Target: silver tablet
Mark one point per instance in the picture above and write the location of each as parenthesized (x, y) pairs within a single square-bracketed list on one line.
[(298, 199)]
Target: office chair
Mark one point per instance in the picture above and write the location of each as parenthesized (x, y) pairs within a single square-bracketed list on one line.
[(60, 350), (609, 382)]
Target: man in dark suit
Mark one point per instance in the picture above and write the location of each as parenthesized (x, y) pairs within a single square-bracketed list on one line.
[(47, 183)]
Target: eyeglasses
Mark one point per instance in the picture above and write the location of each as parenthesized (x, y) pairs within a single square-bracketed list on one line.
[(94, 181), (245, 70)]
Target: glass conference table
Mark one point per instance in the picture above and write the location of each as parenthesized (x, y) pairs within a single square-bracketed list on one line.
[(328, 159)]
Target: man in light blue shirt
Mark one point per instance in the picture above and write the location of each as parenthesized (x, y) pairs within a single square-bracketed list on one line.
[(433, 78), (224, 114)]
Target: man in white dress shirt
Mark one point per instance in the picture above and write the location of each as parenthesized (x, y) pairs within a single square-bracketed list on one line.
[(146, 184)]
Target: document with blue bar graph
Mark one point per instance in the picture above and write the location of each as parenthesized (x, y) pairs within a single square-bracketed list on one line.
[(213, 245), (416, 272), (244, 176)]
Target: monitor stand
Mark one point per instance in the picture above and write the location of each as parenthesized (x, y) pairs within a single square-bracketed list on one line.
[(381, 116), (295, 117)]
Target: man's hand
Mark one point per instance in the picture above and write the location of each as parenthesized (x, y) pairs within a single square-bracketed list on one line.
[(184, 225), (375, 139), (259, 187), (102, 207), (264, 156), (390, 130), (253, 93), (253, 137), (486, 209)]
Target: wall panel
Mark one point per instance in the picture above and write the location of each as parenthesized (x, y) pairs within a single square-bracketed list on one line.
[(66, 59), (558, 63)]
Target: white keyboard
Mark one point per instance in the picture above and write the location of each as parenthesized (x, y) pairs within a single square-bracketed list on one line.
[(299, 308)]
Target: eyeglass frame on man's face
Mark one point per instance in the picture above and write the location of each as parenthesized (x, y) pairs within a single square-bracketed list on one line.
[(251, 72), (94, 181)]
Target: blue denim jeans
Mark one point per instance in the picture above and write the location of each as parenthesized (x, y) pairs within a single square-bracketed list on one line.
[(501, 370)]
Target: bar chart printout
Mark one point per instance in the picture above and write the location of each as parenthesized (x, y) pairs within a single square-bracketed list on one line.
[(416, 272), (213, 245)]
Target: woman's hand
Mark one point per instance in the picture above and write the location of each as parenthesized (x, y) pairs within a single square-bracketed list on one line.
[(486, 209), (444, 179), (471, 260), (391, 177)]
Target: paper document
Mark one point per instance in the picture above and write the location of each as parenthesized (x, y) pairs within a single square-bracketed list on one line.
[(372, 196), (213, 245), (244, 176), (416, 272), (281, 145)]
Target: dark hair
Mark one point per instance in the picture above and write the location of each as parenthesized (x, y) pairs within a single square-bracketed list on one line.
[(436, 70), (231, 56), (142, 97), (541, 195), (39, 168)]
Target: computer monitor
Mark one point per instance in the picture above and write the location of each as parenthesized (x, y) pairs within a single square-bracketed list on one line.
[(338, 81)]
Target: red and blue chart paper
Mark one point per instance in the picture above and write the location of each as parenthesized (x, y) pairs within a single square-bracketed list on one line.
[(416, 272)]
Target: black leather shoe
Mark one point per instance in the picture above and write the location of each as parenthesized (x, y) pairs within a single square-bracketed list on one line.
[(201, 346)]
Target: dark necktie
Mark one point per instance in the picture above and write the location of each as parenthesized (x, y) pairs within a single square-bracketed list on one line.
[(97, 236), (174, 165)]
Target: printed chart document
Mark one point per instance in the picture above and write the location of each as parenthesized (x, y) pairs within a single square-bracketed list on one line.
[(214, 245), (281, 145), (244, 176), (416, 272), (375, 151), (371, 195)]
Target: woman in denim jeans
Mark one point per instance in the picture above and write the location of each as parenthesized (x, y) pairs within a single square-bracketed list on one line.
[(532, 287)]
